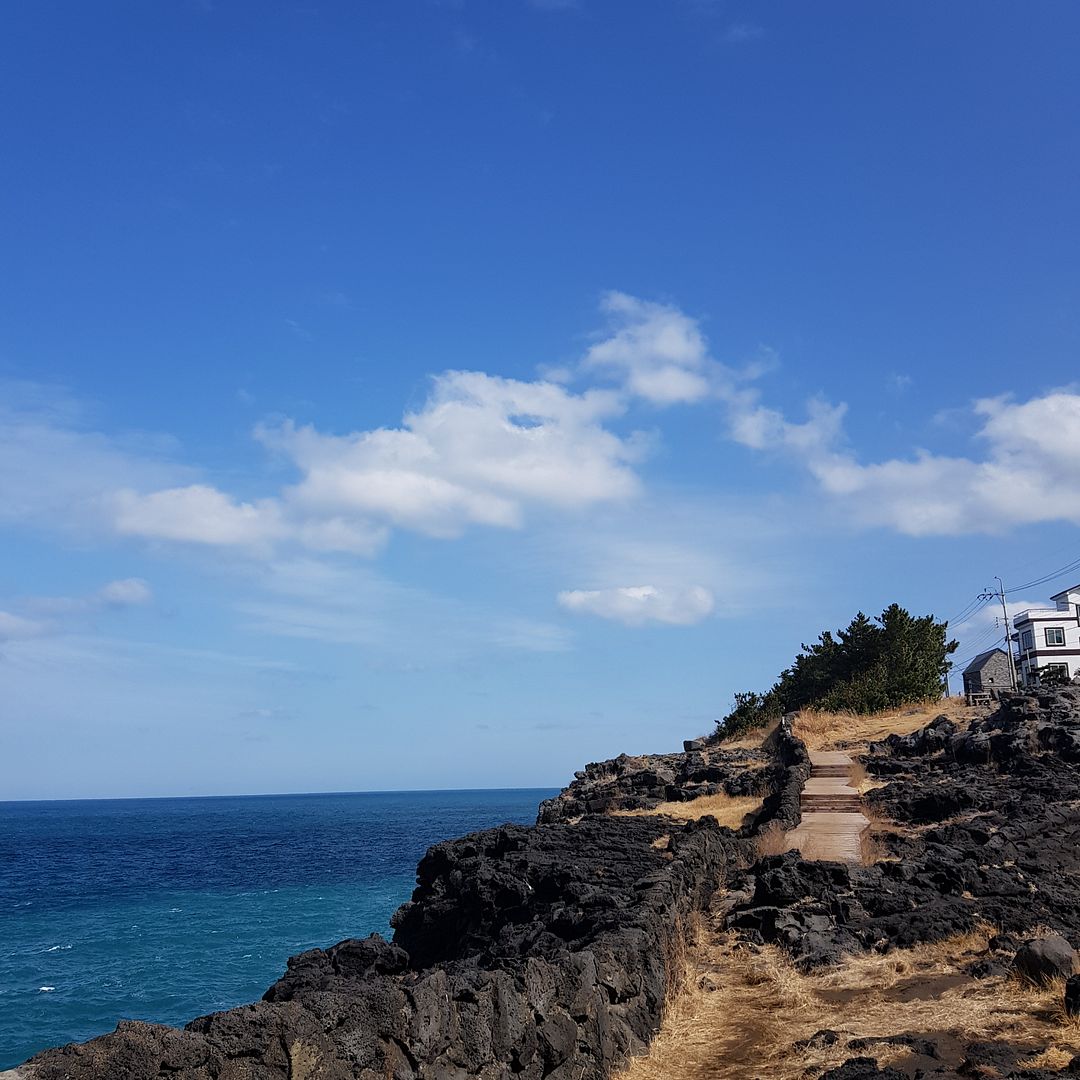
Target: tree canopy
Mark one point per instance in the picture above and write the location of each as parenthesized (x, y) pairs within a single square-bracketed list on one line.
[(893, 659)]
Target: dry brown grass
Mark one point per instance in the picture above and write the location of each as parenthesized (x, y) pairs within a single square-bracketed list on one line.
[(728, 810), (752, 740), (740, 1013), (861, 780), (875, 847), (822, 730), (772, 840)]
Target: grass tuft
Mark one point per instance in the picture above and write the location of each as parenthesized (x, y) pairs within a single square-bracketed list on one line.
[(729, 810)]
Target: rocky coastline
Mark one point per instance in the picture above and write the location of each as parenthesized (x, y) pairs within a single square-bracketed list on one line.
[(553, 950)]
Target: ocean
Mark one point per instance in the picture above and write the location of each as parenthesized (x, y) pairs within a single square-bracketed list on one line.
[(167, 909)]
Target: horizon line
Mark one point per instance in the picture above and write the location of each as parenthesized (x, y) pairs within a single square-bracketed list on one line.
[(274, 794)]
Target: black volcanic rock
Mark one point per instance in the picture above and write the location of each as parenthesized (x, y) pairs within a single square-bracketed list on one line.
[(644, 782), (525, 952), (862, 1068), (549, 952), (1042, 960), (995, 837)]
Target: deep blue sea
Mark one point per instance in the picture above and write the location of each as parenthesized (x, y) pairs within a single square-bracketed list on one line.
[(166, 909)]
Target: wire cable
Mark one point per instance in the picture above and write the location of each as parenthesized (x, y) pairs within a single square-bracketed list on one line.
[(964, 618), (978, 644), (1069, 568)]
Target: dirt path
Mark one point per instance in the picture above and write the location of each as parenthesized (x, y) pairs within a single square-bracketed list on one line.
[(833, 823)]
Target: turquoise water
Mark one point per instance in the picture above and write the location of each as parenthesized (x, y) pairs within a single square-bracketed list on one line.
[(165, 909)]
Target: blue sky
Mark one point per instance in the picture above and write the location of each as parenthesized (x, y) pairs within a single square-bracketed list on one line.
[(438, 394)]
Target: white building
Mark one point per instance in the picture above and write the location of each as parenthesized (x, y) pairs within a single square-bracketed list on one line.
[(1049, 638)]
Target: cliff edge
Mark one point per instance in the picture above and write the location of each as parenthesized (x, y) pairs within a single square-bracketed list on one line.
[(525, 952)]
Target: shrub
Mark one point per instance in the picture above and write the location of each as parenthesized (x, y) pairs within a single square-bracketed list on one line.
[(894, 659)]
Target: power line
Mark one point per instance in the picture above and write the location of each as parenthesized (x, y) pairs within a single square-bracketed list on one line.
[(1000, 595), (991, 632), (1027, 564), (963, 613), (1060, 572), (977, 644), (967, 615), (987, 596)]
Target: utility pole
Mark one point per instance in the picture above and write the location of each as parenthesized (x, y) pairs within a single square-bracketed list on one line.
[(1000, 594)]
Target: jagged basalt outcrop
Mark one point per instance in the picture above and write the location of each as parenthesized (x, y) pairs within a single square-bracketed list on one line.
[(776, 772), (987, 829), (644, 782), (549, 951), (525, 952), (529, 953)]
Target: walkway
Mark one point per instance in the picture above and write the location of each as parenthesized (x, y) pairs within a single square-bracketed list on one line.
[(833, 823)]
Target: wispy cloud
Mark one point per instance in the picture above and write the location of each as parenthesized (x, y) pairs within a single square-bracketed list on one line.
[(484, 451), (116, 595), (197, 514), (46, 616), (354, 605), (17, 628), (636, 605), (56, 468), (658, 351), (302, 332), (1030, 471)]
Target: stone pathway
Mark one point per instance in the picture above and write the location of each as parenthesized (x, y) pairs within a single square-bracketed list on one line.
[(833, 823)]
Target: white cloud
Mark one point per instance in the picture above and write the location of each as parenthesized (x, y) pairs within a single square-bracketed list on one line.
[(1044, 431), (126, 592), (479, 452), (338, 534), (762, 428), (636, 605), (1031, 473), (659, 352), (197, 514), (502, 453)]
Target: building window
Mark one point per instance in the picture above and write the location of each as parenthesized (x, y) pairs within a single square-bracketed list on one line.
[(1027, 640), (1055, 635), (1053, 672)]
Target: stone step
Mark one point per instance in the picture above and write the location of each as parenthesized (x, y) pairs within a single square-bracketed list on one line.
[(817, 786), (831, 802), (832, 824)]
